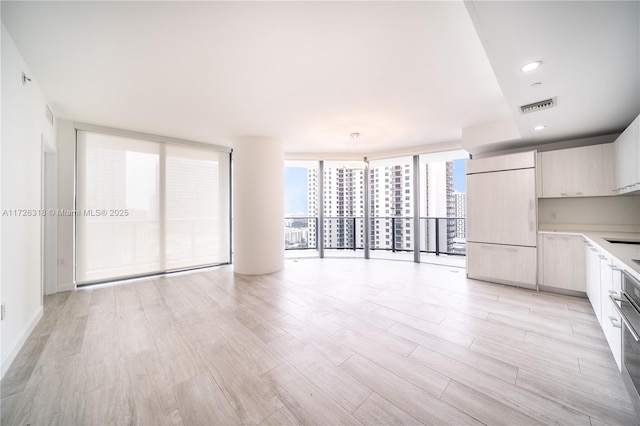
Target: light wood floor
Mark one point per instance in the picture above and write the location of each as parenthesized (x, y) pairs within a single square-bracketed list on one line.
[(334, 341)]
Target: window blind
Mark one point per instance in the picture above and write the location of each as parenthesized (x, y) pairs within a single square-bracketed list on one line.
[(145, 207)]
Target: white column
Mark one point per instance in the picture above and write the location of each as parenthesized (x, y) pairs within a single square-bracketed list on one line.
[(258, 205)]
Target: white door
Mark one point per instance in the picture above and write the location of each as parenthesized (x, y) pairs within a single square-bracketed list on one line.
[(501, 207)]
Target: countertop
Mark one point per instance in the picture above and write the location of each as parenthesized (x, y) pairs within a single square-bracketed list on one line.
[(624, 253)]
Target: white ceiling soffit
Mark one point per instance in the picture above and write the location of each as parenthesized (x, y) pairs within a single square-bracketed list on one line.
[(401, 74), (591, 63)]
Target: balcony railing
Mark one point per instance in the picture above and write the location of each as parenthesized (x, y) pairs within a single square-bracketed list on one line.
[(438, 235), (300, 233)]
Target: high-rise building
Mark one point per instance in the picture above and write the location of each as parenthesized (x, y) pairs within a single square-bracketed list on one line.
[(343, 207), (390, 206), (437, 202), (460, 204), (296, 232)]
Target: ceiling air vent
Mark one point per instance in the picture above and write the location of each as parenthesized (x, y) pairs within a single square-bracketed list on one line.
[(538, 106)]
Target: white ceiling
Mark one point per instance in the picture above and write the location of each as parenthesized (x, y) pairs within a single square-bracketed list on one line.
[(591, 63), (402, 74)]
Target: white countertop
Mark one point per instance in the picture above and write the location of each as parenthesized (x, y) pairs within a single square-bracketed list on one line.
[(624, 253)]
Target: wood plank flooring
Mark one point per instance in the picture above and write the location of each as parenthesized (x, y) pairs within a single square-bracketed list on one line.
[(323, 342)]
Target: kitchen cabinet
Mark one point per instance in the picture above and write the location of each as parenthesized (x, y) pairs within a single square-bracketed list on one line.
[(577, 172), (609, 168), (627, 159), (602, 278), (610, 285), (592, 279), (502, 263), (563, 262)]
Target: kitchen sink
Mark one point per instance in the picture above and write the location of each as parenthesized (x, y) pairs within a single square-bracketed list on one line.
[(622, 241)]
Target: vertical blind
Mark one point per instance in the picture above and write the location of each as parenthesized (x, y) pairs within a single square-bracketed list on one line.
[(145, 207)]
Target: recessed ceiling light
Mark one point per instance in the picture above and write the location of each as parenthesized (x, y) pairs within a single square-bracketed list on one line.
[(531, 66), (540, 127), (536, 84)]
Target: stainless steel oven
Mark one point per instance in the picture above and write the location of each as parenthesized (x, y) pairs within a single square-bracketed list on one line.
[(629, 310)]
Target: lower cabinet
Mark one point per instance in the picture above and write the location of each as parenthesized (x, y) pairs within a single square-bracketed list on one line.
[(594, 291), (611, 285), (604, 279), (563, 262), (502, 263), (572, 262)]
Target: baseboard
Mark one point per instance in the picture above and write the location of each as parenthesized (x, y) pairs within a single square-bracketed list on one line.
[(6, 363), (563, 291), (66, 287), (504, 282)]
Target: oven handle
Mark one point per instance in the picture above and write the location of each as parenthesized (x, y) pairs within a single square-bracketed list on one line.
[(633, 332)]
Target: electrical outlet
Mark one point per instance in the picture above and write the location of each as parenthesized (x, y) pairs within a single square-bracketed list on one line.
[(61, 262), (3, 312)]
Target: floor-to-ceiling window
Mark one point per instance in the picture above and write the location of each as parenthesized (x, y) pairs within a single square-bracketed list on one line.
[(415, 207), (343, 205), (442, 203), (146, 206), (391, 207), (301, 198)]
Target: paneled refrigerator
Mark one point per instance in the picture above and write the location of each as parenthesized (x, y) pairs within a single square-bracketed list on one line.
[(502, 219)]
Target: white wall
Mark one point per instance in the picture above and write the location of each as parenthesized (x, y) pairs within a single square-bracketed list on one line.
[(621, 210), (24, 126), (66, 166)]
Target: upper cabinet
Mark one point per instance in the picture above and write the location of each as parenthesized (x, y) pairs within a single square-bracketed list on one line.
[(591, 171), (627, 159), (586, 171)]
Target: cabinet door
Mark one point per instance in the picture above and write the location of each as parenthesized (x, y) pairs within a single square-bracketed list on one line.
[(620, 161), (634, 156), (610, 318), (502, 207), (611, 321), (588, 172), (555, 176), (501, 263), (627, 158), (609, 169), (593, 280), (564, 262), (574, 172), (622, 149)]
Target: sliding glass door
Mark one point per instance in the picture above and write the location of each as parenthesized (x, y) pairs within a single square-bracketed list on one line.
[(145, 207)]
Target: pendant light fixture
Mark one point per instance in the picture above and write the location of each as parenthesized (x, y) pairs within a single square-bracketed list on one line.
[(355, 164)]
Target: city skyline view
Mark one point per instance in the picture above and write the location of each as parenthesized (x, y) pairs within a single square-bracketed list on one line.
[(393, 192), (296, 186)]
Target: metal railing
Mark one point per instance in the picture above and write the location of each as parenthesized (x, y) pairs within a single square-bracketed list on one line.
[(443, 235), (300, 233), (344, 233), (438, 235)]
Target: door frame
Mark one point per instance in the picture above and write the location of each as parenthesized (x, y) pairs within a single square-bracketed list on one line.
[(49, 220)]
